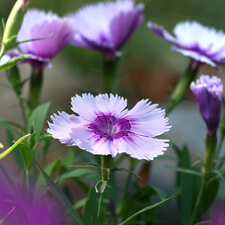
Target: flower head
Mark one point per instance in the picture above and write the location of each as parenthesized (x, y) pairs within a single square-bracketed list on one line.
[(104, 127), (202, 44), (106, 26), (55, 31), (209, 94)]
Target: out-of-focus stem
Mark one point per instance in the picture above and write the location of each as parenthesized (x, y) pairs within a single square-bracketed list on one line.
[(209, 154), (110, 74), (35, 89), (182, 87)]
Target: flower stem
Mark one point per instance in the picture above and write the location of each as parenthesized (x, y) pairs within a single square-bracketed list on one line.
[(182, 87), (106, 164), (219, 149), (99, 209), (15, 80), (209, 155), (110, 74), (35, 89)]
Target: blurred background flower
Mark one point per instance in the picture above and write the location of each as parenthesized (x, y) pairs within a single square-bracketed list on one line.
[(18, 206), (106, 26)]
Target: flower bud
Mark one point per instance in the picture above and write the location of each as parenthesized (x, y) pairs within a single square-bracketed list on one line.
[(209, 94), (13, 25)]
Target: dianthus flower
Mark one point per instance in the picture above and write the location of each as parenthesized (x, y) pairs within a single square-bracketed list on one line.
[(209, 95), (202, 44), (55, 31), (104, 127), (106, 26)]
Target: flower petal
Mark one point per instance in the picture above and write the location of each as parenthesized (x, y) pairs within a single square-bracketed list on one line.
[(141, 147), (147, 120), (92, 143), (159, 30), (62, 125), (89, 107)]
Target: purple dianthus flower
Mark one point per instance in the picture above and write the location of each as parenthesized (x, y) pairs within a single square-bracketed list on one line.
[(209, 95), (104, 127), (202, 44), (40, 24), (106, 26)]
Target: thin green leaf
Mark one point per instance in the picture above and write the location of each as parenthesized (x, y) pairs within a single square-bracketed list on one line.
[(100, 186), (79, 173), (146, 209), (30, 40), (124, 170), (13, 61), (4, 124), (184, 170), (27, 155), (61, 197), (7, 151), (37, 119), (90, 210), (16, 153), (86, 165), (80, 203)]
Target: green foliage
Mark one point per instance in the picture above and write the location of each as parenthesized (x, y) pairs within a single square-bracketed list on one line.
[(90, 208), (61, 197), (37, 120)]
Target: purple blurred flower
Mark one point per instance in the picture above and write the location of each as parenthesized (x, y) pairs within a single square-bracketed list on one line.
[(39, 24), (105, 127), (22, 207), (106, 26), (209, 95), (202, 44), (218, 214)]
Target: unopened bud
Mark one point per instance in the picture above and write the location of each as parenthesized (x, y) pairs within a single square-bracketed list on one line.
[(13, 25)]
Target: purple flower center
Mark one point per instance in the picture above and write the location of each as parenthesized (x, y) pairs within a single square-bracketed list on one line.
[(109, 127)]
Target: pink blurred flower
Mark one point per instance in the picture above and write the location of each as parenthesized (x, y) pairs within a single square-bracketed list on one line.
[(39, 24), (200, 43), (106, 26), (18, 206)]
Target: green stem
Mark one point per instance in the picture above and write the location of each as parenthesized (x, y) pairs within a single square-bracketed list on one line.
[(209, 154), (106, 164), (197, 204), (99, 209), (110, 74), (182, 87), (23, 110), (219, 149), (35, 89)]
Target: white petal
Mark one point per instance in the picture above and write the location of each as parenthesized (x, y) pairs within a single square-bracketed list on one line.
[(89, 107), (140, 147), (62, 125), (195, 55), (147, 120)]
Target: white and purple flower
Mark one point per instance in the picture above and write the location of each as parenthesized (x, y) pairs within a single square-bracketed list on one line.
[(39, 24), (209, 95), (104, 127), (202, 44), (106, 26)]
